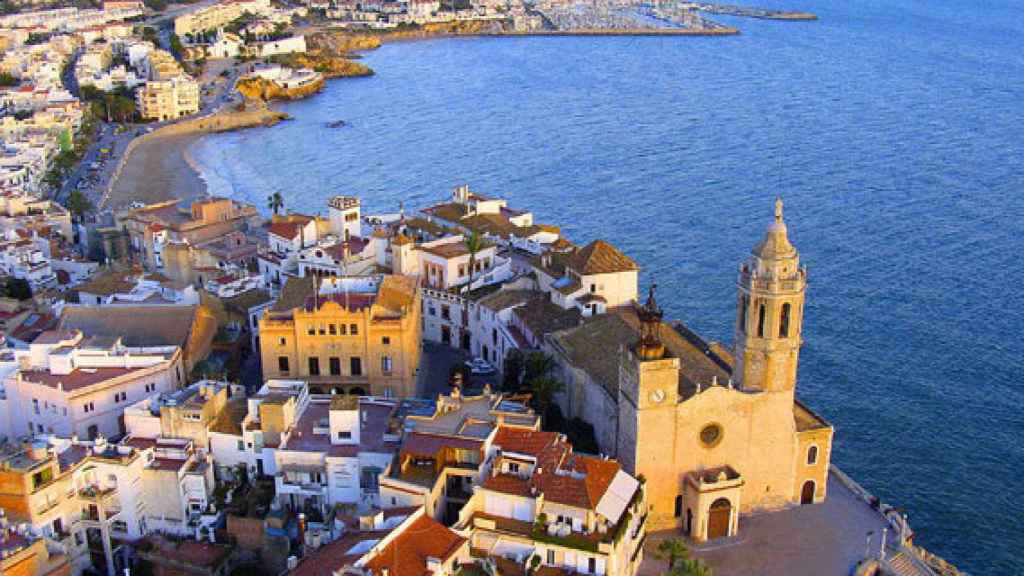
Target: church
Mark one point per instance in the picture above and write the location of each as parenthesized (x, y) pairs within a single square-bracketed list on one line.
[(714, 433)]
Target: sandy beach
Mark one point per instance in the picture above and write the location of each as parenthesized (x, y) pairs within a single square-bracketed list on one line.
[(159, 166), (158, 170)]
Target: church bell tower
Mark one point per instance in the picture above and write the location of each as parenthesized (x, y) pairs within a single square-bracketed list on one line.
[(770, 311)]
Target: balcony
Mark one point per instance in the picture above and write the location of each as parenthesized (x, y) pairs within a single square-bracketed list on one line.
[(97, 494)]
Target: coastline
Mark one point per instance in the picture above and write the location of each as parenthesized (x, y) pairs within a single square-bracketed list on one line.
[(159, 166)]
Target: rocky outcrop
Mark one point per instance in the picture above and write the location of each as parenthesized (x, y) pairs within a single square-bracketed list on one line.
[(327, 64), (341, 43), (256, 88)]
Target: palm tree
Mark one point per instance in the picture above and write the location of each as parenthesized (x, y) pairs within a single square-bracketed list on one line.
[(537, 365), (544, 389), (275, 202), (672, 550), (474, 243)]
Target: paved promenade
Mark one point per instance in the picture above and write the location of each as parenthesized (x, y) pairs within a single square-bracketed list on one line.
[(821, 540)]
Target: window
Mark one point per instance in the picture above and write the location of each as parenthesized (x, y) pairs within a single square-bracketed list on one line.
[(35, 405), (446, 312), (784, 321), (282, 363), (335, 365), (342, 329), (432, 311), (385, 340), (344, 435), (812, 455), (593, 288), (551, 557), (88, 407), (120, 397), (494, 336), (355, 365), (353, 329), (760, 322), (744, 304), (711, 435), (462, 270), (241, 446), (310, 329), (332, 329), (591, 565), (513, 467), (323, 329), (385, 364), (42, 477), (282, 341), (679, 506), (314, 366)]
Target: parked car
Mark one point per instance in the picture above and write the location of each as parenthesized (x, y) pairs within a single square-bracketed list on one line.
[(479, 366)]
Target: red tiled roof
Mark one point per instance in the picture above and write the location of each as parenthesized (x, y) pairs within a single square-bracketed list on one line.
[(407, 553), (287, 230), (563, 477)]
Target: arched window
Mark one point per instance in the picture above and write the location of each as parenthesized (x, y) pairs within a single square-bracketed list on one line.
[(812, 455), (760, 322), (784, 321), (744, 305)]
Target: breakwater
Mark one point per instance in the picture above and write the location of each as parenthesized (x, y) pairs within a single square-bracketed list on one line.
[(723, 31)]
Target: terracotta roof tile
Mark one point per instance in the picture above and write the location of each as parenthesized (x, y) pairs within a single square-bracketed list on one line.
[(407, 553), (600, 257)]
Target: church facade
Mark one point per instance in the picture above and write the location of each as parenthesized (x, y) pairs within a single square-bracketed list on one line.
[(714, 433)]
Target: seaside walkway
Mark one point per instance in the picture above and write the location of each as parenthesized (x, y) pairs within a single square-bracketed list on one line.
[(827, 538)]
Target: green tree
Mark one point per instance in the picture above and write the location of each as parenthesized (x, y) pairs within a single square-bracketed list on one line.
[(537, 365), (65, 142), (18, 288), (474, 243), (176, 46), (690, 567), (673, 551), (6, 79), (275, 202), (544, 389), (79, 204)]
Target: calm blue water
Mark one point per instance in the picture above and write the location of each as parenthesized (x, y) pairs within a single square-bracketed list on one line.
[(894, 132)]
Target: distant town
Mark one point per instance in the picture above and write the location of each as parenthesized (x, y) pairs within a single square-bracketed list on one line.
[(194, 385)]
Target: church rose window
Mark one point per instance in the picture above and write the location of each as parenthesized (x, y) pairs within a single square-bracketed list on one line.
[(711, 435)]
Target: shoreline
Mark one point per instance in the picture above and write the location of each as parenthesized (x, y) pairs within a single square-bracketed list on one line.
[(159, 166)]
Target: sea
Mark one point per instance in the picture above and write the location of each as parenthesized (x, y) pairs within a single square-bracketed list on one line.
[(894, 132)]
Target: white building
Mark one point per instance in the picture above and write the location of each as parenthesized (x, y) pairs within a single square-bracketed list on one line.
[(72, 386), (334, 452)]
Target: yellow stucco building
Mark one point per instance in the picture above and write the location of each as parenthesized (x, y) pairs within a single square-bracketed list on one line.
[(356, 335), (715, 433), (710, 453)]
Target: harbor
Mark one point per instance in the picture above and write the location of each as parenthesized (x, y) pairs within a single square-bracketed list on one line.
[(600, 18)]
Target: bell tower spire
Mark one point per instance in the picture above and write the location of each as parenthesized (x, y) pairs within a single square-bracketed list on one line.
[(770, 308)]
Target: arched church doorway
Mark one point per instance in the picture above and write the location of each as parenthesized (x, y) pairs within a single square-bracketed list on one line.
[(718, 518), (807, 493)]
